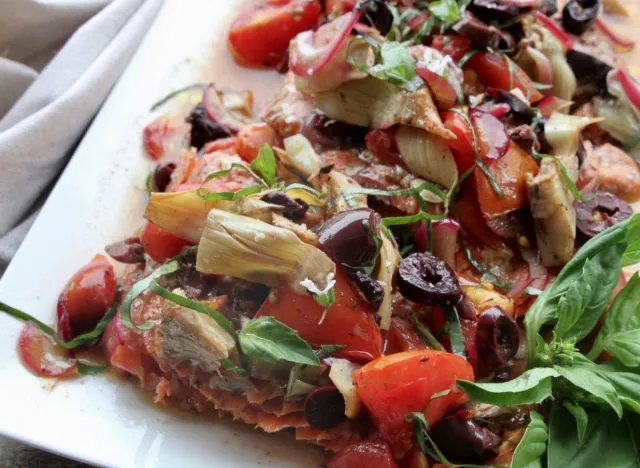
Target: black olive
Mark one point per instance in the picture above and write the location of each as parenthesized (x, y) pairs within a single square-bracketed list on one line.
[(425, 279), (324, 408), (523, 136), (127, 251), (482, 34), (203, 129), (591, 73), (465, 441), (347, 237), (466, 310), (604, 210), (293, 209), (377, 14), (333, 134), (519, 109), (497, 336), (496, 10), (579, 15), (549, 7), (162, 176), (371, 289)]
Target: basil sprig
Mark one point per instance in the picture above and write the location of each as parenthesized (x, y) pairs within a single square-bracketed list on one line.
[(392, 63), (265, 164)]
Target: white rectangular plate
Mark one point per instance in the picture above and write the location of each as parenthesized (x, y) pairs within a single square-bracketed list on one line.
[(98, 199)]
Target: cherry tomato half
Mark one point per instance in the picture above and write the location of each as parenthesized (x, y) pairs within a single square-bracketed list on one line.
[(452, 44), (382, 143), (260, 34), (252, 137), (364, 454), (159, 244), (349, 321), (393, 386)]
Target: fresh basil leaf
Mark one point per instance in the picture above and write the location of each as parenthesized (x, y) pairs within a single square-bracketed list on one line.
[(586, 378), (625, 380), (532, 387), (620, 334), (267, 339), (327, 349), (141, 286), (85, 368), (580, 415), (447, 11), (396, 67), (265, 164), (326, 299), (533, 445), (193, 305), (455, 331), (632, 254), (209, 196), (606, 443), (543, 309), (583, 303)]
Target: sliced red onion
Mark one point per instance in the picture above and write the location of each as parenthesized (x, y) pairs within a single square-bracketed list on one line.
[(312, 50), (217, 112), (622, 42), (445, 239), (629, 87), (520, 287), (498, 110), (556, 30), (543, 72), (41, 356), (551, 104), (493, 140), (537, 271)]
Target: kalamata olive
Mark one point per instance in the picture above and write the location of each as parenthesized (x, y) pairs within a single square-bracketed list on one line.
[(519, 109), (332, 134), (293, 209), (425, 279), (377, 14), (203, 129), (599, 213), (348, 237), (496, 10), (481, 33), (579, 15), (466, 309), (497, 336), (371, 289), (465, 441), (127, 251), (523, 136), (324, 407), (549, 7), (162, 176), (591, 73)]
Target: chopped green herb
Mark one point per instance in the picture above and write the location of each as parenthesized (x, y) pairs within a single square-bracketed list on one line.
[(265, 164), (175, 93)]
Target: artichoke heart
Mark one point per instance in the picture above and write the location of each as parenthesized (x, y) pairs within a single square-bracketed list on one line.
[(563, 131), (300, 155), (427, 155), (337, 184), (184, 214), (341, 374), (253, 250), (388, 263), (379, 104), (187, 336)]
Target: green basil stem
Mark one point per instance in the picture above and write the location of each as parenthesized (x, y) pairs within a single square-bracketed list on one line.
[(481, 268), (455, 330), (175, 93), (424, 333), (492, 181)]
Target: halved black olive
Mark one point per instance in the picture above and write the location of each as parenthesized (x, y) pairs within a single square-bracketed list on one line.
[(127, 251), (497, 336), (425, 279), (347, 237), (603, 211), (293, 209), (496, 10), (519, 109), (481, 33), (333, 134), (549, 7), (203, 129), (371, 289), (579, 15), (377, 14), (591, 73), (324, 407), (162, 176), (465, 441)]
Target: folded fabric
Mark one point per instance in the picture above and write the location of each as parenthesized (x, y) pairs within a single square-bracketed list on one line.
[(44, 113)]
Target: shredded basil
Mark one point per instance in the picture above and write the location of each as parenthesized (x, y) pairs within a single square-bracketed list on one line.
[(466, 57), (455, 331), (208, 196), (175, 93), (86, 368), (265, 165), (486, 274), (426, 335), (492, 181)]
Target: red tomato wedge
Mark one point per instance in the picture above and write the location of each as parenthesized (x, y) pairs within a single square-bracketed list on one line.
[(393, 386), (349, 321), (41, 356), (364, 454), (260, 34), (382, 143), (402, 337), (443, 93), (468, 213), (462, 146), (86, 298), (492, 69), (159, 244), (252, 137), (454, 45), (163, 137), (510, 173), (492, 138)]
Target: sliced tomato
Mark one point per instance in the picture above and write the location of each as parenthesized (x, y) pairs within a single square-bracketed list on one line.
[(493, 141), (468, 213), (260, 34), (382, 143), (348, 322), (462, 146), (493, 70), (159, 244), (443, 93), (86, 298), (252, 137), (41, 356), (364, 454), (162, 137), (402, 337), (452, 44), (393, 386), (222, 144), (510, 173)]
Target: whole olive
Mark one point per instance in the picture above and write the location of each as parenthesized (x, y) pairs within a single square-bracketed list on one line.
[(602, 211), (377, 14), (497, 336), (519, 109), (203, 129), (481, 33), (370, 289), (349, 238), (465, 441), (324, 407), (591, 73), (579, 15), (293, 209), (162, 176), (332, 134), (425, 279), (129, 250)]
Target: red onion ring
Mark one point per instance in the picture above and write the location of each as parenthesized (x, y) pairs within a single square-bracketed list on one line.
[(622, 42), (551, 25), (629, 87)]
